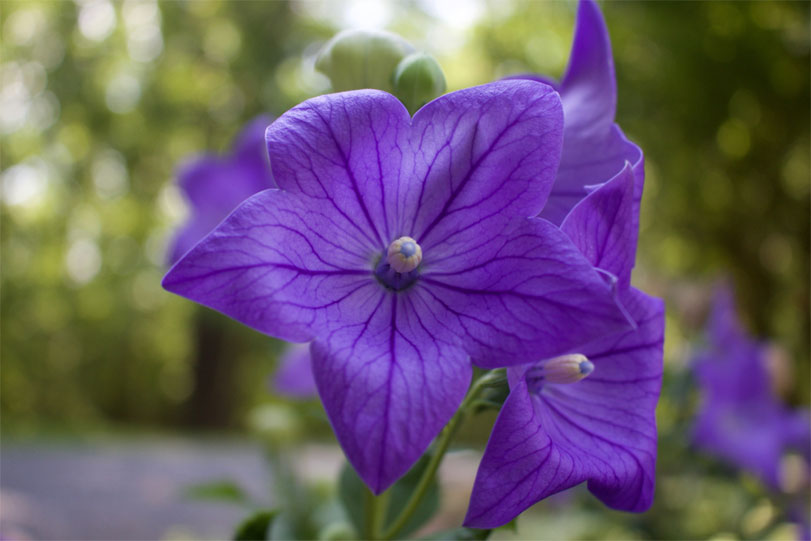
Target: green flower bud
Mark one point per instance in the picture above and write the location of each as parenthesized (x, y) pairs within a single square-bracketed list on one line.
[(418, 80), (356, 59)]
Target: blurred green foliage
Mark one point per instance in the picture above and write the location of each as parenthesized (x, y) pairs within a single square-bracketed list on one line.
[(717, 95), (100, 104), (99, 101)]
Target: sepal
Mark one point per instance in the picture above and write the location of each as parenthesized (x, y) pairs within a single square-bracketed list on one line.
[(356, 59)]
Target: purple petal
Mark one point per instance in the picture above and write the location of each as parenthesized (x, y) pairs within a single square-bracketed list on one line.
[(751, 435), (740, 418), (481, 152), (389, 386), (735, 372), (250, 144), (724, 326), (602, 226), (346, 151), (594, 148), (538, 78), (798, 431), (589, 85), (216, 185), (515, 292), (733, 366), (294, 376), (588, 162), (280, 265), (601, 429)]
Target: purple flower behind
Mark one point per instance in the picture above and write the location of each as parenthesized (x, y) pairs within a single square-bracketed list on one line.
[(402, 247), (294, 375), (594, 147), (554, 433), (215, 185), (741, 419)]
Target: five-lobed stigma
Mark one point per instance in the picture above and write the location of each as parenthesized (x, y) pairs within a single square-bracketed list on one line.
[(404, 255), (398, 268)]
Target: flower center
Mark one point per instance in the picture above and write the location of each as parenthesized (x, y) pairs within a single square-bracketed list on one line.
[(404, 254), (398, 269), (569, 368)]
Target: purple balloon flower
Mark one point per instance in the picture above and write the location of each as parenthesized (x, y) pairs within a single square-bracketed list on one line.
[(214, 185), (402, 247), (594, 147), (589, 415), (294, 376), (741, 419)]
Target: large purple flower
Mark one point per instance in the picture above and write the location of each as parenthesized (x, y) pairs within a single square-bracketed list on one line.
[(588, 415), (594, 147), (402, 247), (741, 419), (215, 185)]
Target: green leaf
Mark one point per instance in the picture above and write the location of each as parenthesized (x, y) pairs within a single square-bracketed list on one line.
[(351, 491), (511, 526), (401, 492), (223, 490), (461, 534), (255, 527)]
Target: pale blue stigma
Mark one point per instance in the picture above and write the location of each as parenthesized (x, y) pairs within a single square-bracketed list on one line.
[(408, 248), (586, 367)]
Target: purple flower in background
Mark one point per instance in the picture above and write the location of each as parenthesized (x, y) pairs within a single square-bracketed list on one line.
[(589, 415), (402, 247), (741, 419), (214, 185), (294, 375), (594, 147)]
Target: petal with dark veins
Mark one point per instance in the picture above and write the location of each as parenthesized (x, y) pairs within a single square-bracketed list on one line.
[(482, 153), (603, 229), (594, 148), (589, 84), (388, 386), (601, 429), (282, 266), (346, 151), (514, 291)]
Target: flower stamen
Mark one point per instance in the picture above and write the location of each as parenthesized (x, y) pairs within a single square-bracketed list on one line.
[(565, 369)]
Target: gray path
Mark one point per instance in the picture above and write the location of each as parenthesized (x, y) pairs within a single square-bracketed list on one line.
[(122, 490)]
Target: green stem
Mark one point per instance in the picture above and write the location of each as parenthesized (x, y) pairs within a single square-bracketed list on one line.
[(375, 514), (442, 444)]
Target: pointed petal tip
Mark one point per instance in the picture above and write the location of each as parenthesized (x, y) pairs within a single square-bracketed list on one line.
[(589, 85)]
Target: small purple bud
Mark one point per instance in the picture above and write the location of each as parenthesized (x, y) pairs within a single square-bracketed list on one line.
[(569, 368)]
